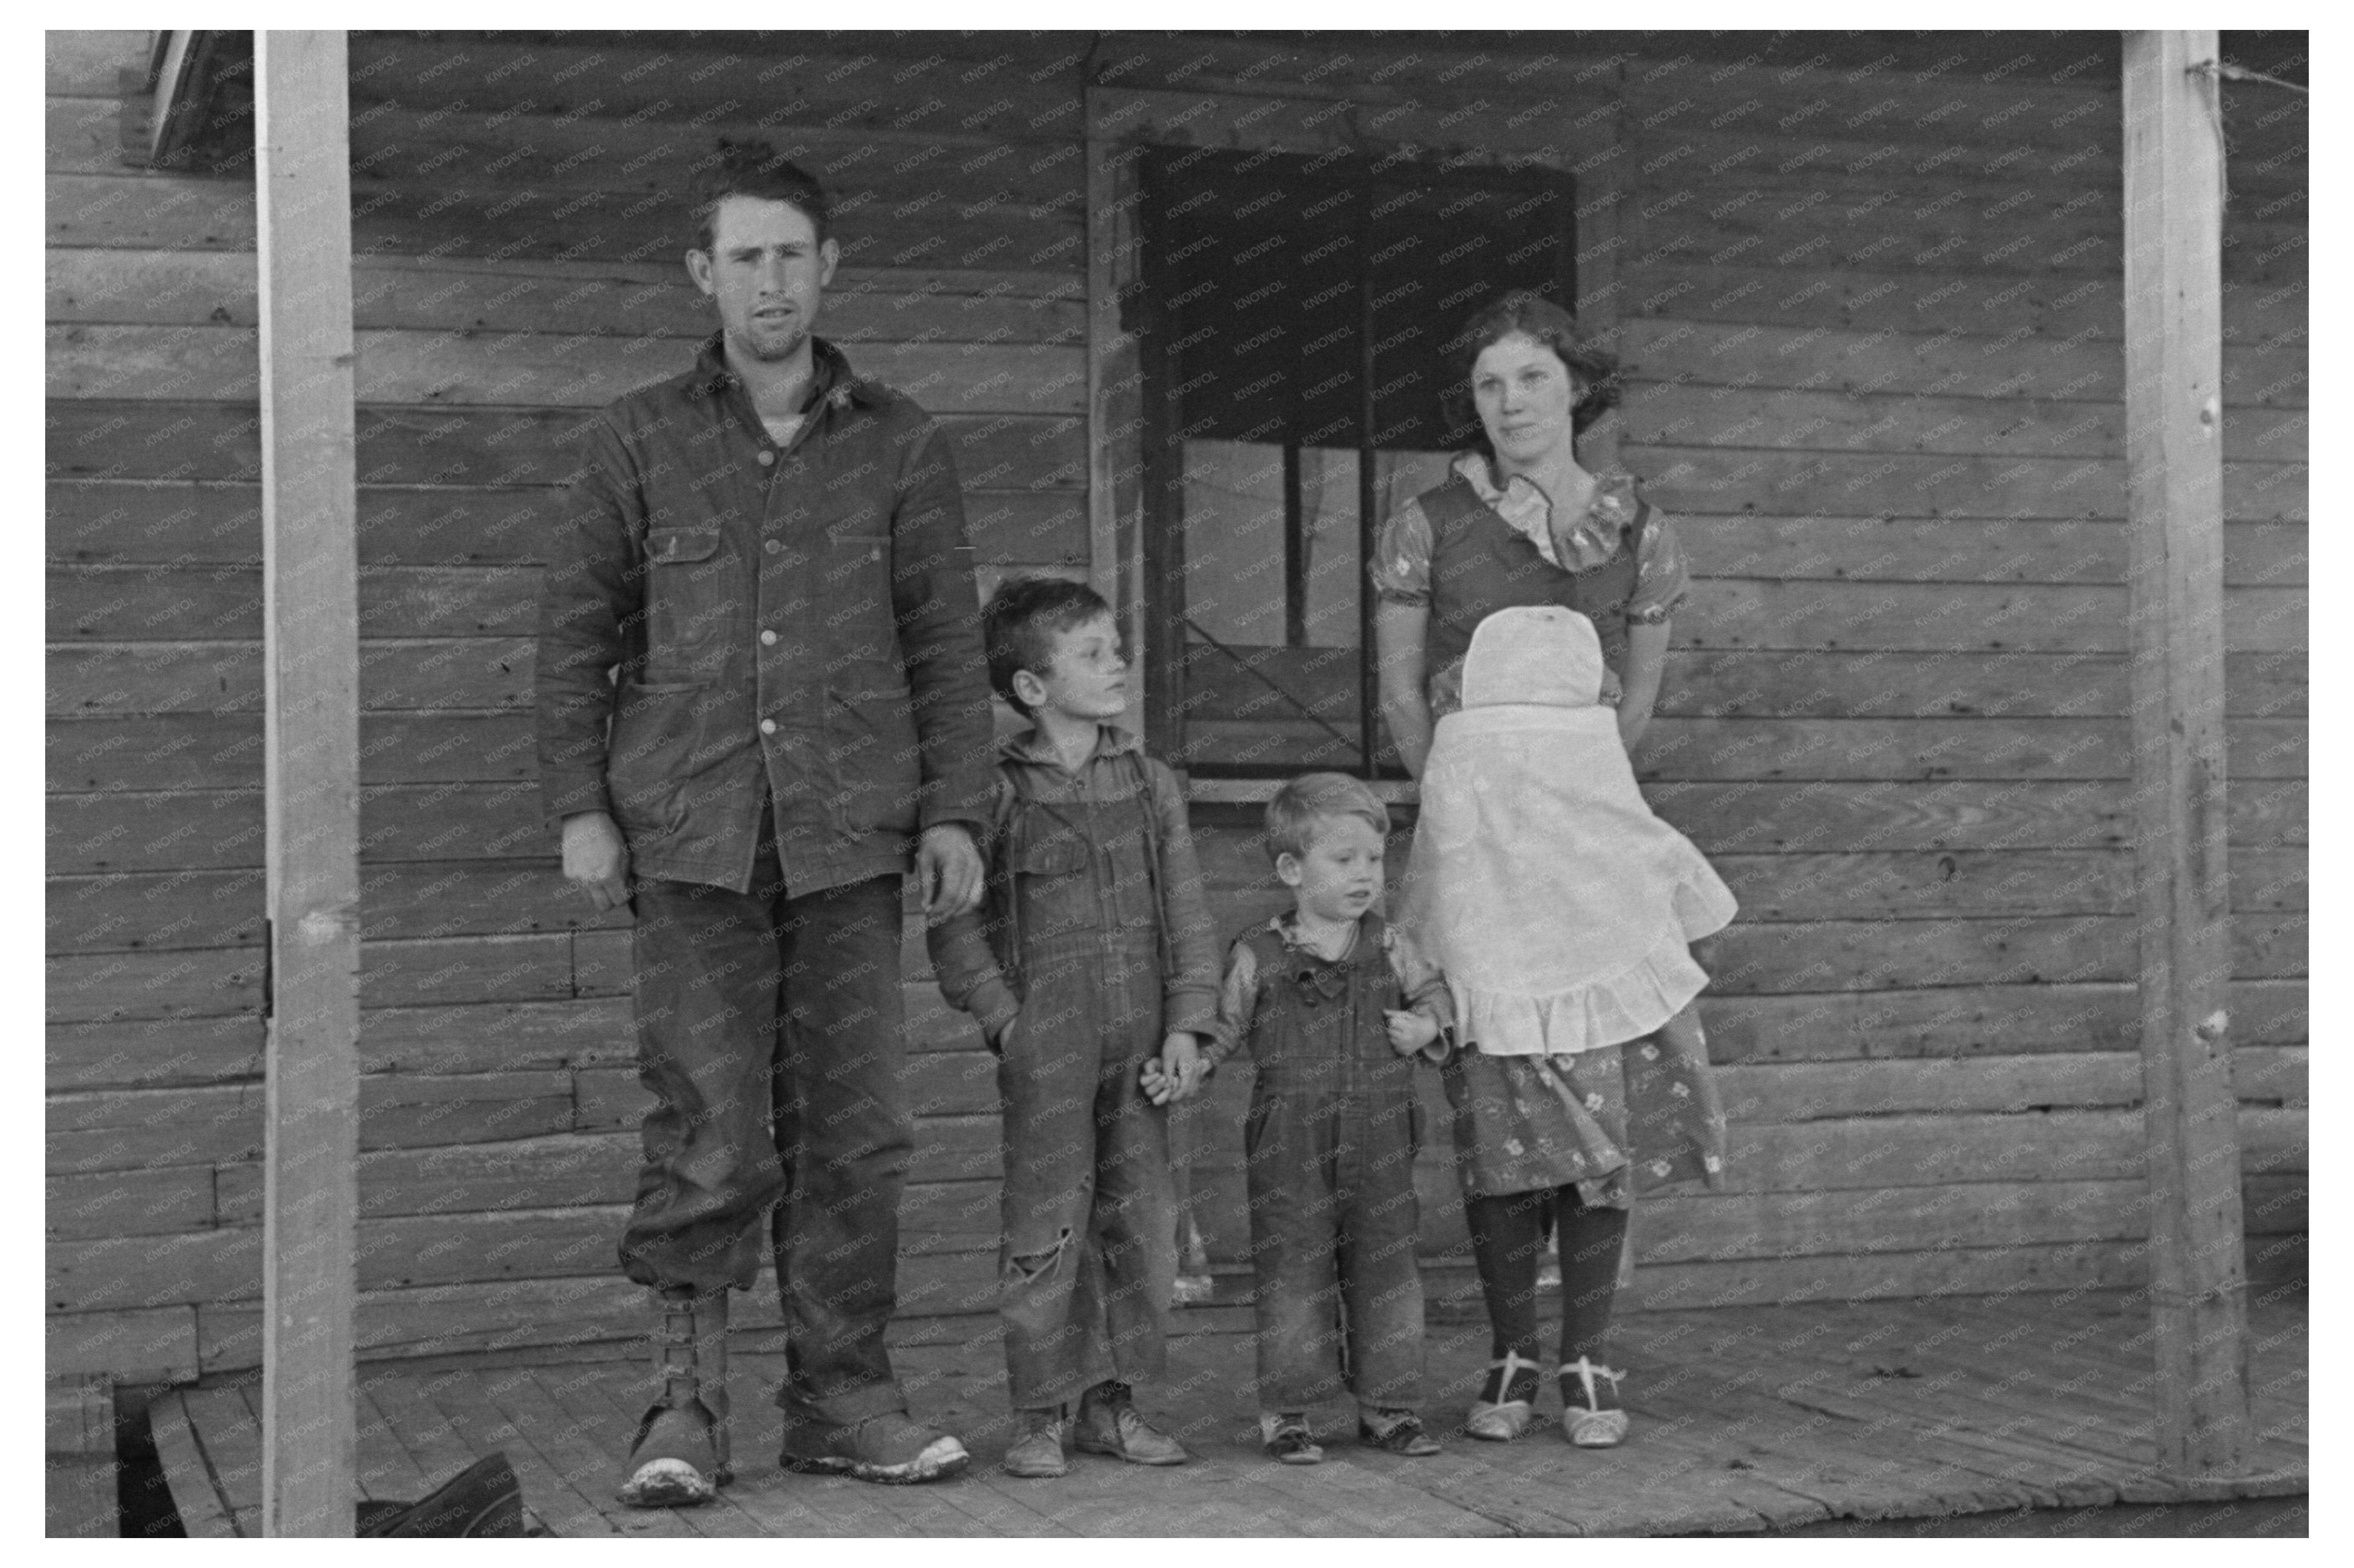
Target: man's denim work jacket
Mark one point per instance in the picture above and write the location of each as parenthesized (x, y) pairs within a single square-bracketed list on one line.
[(794, 623)]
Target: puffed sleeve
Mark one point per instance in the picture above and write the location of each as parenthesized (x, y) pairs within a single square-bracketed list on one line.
[(1424, 988), (1401, 564), (1661, 578)]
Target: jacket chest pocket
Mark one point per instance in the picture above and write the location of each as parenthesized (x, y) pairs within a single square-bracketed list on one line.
[(853, 573), (690, 603)]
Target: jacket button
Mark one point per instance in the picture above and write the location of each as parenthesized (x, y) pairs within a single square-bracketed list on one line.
[(768, 639), (776, 546), (767, 726), (766, 457)]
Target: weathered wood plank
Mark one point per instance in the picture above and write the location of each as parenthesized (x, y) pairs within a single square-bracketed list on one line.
[(843, 91), (207, 750), (1679, 1229), (154, 1344), (557, 1443), (203, 1511), (154, 985), (454, 448), (536, 967), (1817, 224), (223, 677), (485, 220), (1873, 955), (1846, 683), (401, 900), (2058, 1267), (1968, 1021), (596, 1167), (151, 1053), (862, 171), (480, 1037), (128, 1203), (115, 1272), (407, 367), (89, 62), (1868, 300), (1894, 549), (1729, 613), (1791, 1091), (1962, 814), (83, 136), (1777, 480), (1753, 356), (1665, 414), (1709, 158), (1752, 733), (178, 603)]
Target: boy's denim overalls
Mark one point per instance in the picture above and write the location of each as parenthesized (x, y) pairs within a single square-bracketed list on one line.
[(1330, 1148), (1097, 925)]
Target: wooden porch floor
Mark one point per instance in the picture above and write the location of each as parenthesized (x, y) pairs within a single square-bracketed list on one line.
[(1745, 1419)]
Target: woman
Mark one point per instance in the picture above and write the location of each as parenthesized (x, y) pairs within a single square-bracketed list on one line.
[(1520, 522)]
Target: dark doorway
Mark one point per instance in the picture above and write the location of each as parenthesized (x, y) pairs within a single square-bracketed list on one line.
[(1296, 313)]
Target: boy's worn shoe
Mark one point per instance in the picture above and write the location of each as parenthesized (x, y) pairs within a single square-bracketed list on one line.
[(1286, 1438), (1037, 1450), (1396, 1432), (679, 1455), (1505, 1404), (1590, 1417), (889, 1447), (1110, 1424)]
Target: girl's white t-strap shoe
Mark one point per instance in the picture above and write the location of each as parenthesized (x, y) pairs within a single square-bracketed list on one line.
[(1507, 1419), (1586, 1425)]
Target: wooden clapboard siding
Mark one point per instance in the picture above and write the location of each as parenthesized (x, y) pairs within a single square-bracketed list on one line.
[(1874, 345), (500, 299), (1872, 319)]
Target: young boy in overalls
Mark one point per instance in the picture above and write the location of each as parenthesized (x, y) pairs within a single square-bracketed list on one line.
[(1092, 970), (1335, 1008)]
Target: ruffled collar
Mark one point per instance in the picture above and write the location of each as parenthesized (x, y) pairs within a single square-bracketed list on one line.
[(1578, 544)]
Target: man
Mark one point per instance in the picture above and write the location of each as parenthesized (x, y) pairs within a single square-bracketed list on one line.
[(760, 678)]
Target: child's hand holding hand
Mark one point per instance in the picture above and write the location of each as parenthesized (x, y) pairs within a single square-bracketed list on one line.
[(1410, 1032), (1177, 1073)]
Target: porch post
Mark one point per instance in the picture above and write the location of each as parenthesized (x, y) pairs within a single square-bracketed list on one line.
[(2174, 500), (310, 731)]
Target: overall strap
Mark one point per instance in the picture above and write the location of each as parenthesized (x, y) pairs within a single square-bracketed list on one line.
[(1154, 872)]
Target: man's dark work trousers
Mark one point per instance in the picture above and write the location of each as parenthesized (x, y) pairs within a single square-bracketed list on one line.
[(770, 1034)]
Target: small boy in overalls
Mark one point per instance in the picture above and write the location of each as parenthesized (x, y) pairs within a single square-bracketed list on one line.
[(1092, 970), (1335, 1008)]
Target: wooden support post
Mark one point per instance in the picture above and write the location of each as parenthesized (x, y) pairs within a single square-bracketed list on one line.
[(1115, 391), (2174, 500), (310, 630)]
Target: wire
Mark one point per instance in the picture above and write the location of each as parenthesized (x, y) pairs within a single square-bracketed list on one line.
[(2241, 73)]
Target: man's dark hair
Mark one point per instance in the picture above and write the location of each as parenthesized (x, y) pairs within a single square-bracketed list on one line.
[(1021, 621), (1532, 316), (754, 169)]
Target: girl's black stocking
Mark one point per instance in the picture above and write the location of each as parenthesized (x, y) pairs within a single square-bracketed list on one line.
[(1590, 1241), (1508, 1242)]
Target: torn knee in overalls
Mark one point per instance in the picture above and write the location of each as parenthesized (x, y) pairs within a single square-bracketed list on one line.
[(1032, 1266)]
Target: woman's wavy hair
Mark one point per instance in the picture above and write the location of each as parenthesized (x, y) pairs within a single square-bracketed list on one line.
[(1532, 316)]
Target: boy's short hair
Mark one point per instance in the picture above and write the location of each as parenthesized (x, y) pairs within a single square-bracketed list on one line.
[(751, 168), (1021, 621), (1312, 797)]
